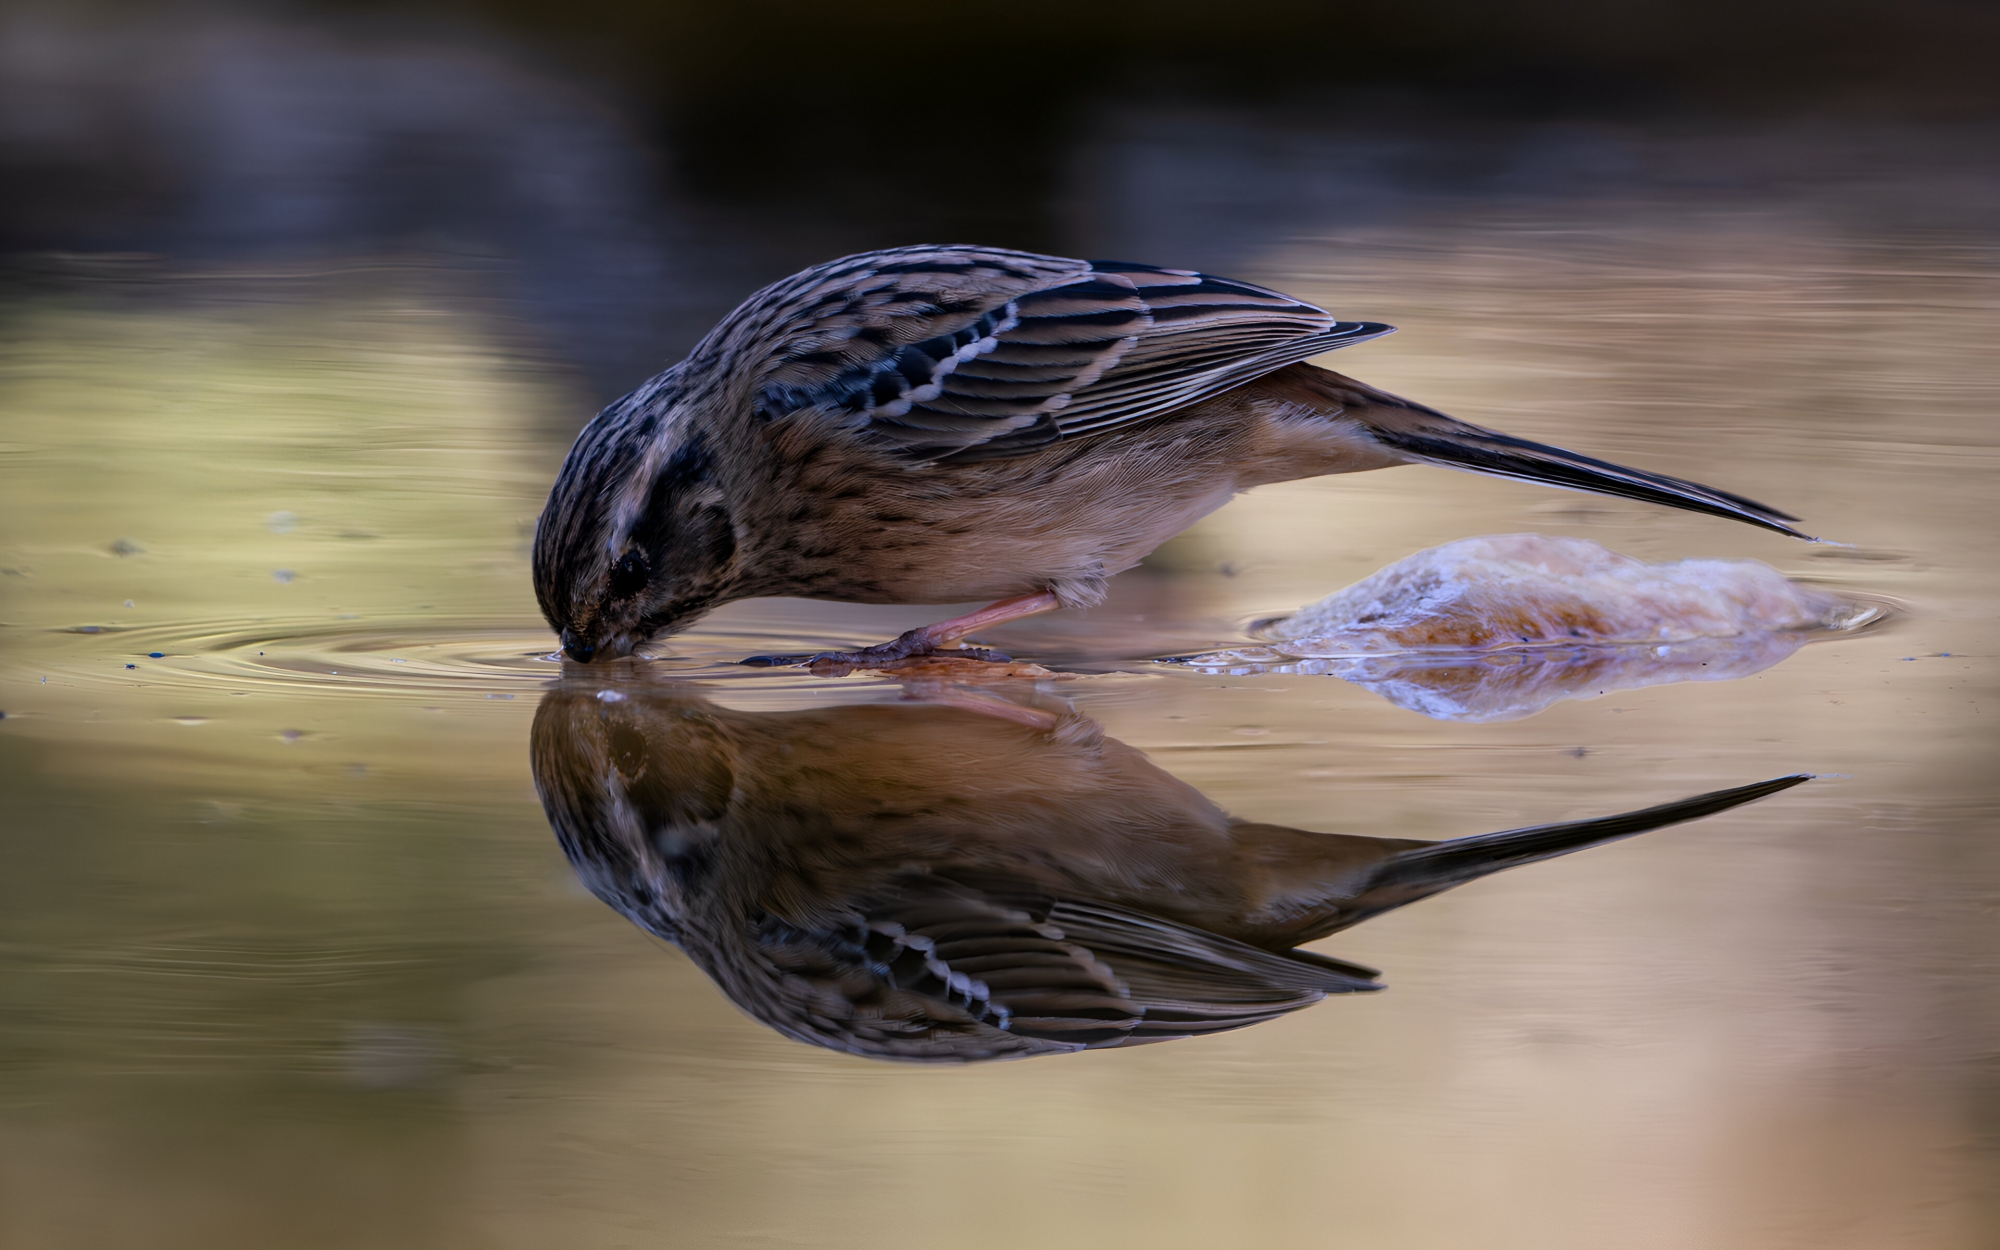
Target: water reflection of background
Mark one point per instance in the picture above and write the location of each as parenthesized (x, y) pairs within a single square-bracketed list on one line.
[(289, 956)]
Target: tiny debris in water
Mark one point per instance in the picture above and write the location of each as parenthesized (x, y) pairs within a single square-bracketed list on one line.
[(125, 547), (130, 604), (156, 655), (282, 522), (291, 735), (283, 575)]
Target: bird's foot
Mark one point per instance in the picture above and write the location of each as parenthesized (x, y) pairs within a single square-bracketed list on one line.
[(916, 645)]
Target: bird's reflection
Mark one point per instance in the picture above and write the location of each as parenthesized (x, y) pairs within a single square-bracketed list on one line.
[(982, 879)]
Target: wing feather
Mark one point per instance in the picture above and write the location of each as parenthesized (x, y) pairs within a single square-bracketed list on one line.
[(961, 353), (960, 968)]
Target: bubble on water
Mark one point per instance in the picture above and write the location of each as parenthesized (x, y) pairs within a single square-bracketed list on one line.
[(131, 666), (282, 522), (283, 575), (156, 655), (290, 735), (190, 720), (610, 696), (130, 604), (125, 547)]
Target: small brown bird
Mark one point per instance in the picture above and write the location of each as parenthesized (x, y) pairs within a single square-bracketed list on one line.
[(942, 424), (930, 883)]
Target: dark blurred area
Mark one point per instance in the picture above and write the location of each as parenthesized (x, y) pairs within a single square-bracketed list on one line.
[(623, 172)]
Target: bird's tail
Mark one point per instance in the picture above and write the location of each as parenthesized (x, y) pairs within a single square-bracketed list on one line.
[(1426, 870), (1425, 436)]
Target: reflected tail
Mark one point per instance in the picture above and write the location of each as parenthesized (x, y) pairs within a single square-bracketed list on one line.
[(1426, 870)]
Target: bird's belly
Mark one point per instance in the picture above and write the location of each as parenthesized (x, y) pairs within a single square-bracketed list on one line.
[(995, 548), (1064, 518)]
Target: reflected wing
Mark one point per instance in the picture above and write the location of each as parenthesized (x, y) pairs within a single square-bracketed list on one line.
[(942, 969), (963, 353)]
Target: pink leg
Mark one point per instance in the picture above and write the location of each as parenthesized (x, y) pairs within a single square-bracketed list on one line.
[(985, 704), (929, 638), (946, 632)]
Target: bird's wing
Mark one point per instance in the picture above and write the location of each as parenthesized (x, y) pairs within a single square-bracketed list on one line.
[(953, 969), (1188, 981), (964, 353)]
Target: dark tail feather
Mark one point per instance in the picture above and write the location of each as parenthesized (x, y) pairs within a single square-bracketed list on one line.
[(1477, 450), (1427, 870)]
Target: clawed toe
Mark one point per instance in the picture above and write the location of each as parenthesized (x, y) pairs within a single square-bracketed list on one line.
[(774, 661), (886, 655)]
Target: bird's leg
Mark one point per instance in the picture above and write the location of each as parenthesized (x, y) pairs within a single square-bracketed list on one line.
[(985, 703), (927, 639)]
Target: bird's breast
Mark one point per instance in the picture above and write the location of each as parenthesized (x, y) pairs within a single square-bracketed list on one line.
[(821, 517)]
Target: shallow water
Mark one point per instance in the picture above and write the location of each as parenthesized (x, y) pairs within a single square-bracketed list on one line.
[(289, 954)]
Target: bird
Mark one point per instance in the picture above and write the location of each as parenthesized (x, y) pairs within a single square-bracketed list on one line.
[(989, 879), (943, 424)]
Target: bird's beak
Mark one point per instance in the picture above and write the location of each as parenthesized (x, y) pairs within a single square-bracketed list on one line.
[(578, 649)]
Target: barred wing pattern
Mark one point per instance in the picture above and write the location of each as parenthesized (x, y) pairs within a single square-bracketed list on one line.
[(965, 353), (959, 969)]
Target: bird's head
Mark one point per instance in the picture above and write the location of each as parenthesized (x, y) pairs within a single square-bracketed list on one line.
[(637, 539)]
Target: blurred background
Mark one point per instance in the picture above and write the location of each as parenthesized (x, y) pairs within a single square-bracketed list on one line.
[(623, 172), (301, 305)]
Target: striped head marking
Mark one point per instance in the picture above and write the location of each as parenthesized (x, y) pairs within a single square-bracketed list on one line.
[(637, 539)]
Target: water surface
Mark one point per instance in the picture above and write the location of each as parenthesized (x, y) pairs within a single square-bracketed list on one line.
[(289, 954)]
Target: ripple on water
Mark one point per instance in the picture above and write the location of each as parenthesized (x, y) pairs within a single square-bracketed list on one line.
[(496, 658), (380, 656)]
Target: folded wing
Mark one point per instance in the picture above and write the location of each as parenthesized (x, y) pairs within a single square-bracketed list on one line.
[(956, 970), (954, 354)]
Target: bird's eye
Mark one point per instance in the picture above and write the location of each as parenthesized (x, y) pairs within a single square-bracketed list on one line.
[(628, 576)]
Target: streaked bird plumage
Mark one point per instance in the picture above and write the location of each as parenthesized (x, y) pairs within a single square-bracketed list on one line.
[(941, 424)]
